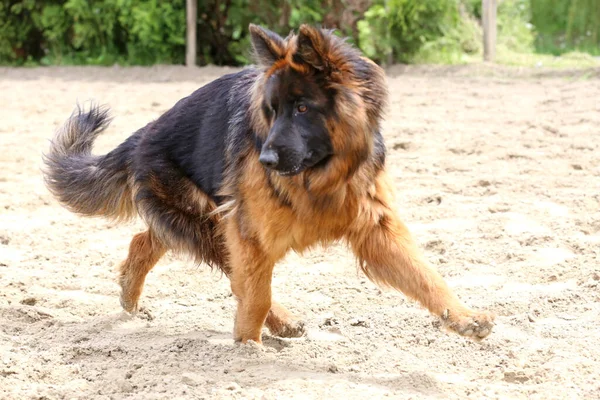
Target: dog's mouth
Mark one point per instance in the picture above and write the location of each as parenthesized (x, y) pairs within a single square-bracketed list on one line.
[(291, 172), (309, 162)]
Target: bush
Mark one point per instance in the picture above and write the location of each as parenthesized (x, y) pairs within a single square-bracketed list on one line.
[(19, 31), (395, 30), (566, 25), (456, 46), (515, 32), (153, 31), (92, 32), (583, 25)]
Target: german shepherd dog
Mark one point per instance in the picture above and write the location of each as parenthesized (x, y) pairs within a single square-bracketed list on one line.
[(286, 154)]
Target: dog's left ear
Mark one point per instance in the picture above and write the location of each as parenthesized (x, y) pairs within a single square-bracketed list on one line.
[(268, 46), (312, 48)]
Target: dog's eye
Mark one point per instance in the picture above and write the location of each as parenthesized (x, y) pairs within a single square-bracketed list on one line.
[(302, 108)]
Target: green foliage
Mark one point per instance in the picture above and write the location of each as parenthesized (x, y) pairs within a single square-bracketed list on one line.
[(457, 46), (583, 25), (281, 17), (566, 25), (147, 32), (126, 31), (54, 25), (92, 32), (398, 29), (18, 30), (374, 36), (550, 20), (155, 30), (305, 12), (515, 32), (473, 8)]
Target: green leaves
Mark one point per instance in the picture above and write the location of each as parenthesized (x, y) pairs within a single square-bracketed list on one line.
[(134, 32), (92, 32), (395, 30), (155, 30), (566, 25)]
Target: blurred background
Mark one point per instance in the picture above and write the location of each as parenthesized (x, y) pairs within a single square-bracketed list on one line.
[(145, 32)]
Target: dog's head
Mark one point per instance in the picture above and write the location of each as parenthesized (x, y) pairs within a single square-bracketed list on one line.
[(297, 108), (314, 85)]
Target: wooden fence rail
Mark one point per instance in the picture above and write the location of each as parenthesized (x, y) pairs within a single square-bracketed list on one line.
[(190, 43), (488, 17)]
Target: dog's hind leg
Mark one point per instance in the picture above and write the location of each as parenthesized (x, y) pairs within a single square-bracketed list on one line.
[(144, 252)]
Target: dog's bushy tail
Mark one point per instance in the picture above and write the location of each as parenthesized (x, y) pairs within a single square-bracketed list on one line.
[(84, 183)]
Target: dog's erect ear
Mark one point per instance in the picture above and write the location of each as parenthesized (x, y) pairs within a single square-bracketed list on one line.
[(268, 46), (312, 47)]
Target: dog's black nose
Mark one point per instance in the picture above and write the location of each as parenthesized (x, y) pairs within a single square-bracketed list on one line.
[(269, 158)]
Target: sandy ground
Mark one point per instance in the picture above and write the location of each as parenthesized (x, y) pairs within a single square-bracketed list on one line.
[(498, 176)]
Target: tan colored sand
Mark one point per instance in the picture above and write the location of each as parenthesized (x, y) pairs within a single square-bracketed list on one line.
[(498, 176)]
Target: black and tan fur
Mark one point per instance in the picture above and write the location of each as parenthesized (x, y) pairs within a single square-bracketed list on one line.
[(282, 156)]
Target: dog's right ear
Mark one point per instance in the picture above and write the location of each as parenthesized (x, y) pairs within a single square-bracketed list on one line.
[(268, 46)]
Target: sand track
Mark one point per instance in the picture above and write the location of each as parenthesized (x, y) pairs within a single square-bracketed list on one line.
[(498, 176)]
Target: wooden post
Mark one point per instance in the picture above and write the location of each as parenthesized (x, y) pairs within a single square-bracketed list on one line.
[(488, 17), (192, 22)]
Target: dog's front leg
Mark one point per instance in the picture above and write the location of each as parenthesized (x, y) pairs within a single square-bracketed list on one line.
[(251, 272), (389, 256)]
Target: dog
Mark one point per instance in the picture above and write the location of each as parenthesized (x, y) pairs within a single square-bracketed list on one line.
[(283, 155)]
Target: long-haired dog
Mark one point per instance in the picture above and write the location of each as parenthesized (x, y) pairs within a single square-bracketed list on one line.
[(284, 155)]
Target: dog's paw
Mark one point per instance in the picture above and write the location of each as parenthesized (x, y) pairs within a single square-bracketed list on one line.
[(472, 324), (144, 313), (251, 344), (283, 323), (289, 329), (128, 304)]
